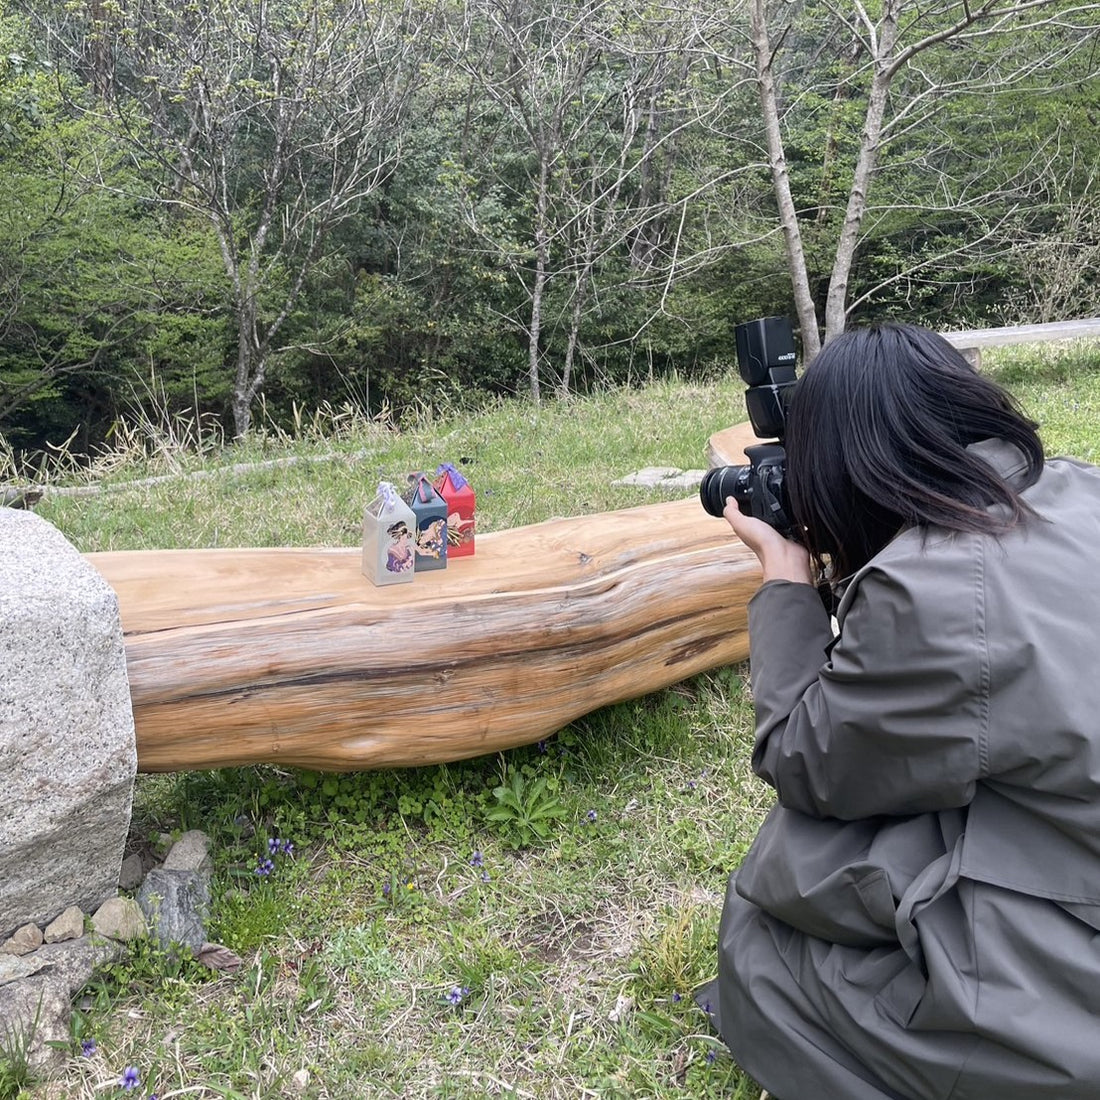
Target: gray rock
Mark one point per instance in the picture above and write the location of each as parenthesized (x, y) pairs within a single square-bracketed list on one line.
[(14, 967), (67, 750), (132, 872), (663, 477), (176, 904), (648, 476), (68, 926), (23, 940), (36, 1011), (190, 853), (74, 961), (120, 919)]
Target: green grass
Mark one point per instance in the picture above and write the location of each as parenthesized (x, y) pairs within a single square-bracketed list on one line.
[(574, 955), (527, 464)]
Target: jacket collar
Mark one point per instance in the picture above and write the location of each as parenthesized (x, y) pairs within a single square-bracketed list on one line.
[(1006, 458)]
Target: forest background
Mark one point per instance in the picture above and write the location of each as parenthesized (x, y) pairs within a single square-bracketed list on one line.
[(242, 209)]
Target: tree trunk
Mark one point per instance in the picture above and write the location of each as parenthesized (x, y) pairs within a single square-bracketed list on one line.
[(539, 286), (244, 386), (836, 302), (292, 657), (574, 338), (788, 215)]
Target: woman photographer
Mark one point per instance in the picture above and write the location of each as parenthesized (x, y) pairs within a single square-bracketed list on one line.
[(919, 916)]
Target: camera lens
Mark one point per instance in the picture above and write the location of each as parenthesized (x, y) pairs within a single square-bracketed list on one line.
[(722, 482)]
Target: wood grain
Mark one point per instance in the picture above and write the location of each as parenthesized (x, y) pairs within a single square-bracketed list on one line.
[(727, 447), (291, 656)]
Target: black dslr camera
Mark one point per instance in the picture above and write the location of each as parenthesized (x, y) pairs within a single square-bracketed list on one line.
[(766, 359)]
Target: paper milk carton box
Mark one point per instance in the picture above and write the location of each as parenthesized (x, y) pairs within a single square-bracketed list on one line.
[(431, 522), (389, 538), (458, 495)]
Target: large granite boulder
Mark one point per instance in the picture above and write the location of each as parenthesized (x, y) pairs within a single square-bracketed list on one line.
[(67, 751)]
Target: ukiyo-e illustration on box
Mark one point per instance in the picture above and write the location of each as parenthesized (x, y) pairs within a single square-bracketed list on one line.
[(458, 495), (389, 530), (430, 511)]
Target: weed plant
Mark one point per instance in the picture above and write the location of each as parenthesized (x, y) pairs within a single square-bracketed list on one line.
[(16, 1075), (528, 924)]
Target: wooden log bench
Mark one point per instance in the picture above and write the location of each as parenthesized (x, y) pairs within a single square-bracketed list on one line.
[(972, 342), (291, 656)]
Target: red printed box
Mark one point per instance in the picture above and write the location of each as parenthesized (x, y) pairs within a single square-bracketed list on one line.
[(458, 495), (389, 531)]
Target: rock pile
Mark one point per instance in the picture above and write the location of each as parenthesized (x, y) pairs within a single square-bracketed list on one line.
[(42, 968)]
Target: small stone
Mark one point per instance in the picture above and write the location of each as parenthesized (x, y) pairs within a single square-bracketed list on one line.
[(190, 853), (131, 872), (23, 940), (73, 961), (299, 1081), (649, 476), (120, 919), (68, 926), (13, 967)]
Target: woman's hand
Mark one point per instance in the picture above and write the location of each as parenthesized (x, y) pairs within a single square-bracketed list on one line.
[(780, 559)]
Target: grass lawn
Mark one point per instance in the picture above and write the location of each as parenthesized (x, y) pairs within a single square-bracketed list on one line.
[(422, 940)]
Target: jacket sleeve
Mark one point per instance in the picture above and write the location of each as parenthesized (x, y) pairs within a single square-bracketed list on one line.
[(894, 721)]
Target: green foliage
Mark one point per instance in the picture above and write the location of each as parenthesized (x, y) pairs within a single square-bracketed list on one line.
[(528, 809), (109, 304), (15, 1045), (148, 972), (249, 918), (134, 289)]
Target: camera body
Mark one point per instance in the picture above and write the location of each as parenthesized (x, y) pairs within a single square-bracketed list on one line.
[(766, 359)]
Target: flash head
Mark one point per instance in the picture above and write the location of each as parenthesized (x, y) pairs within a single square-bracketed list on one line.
[(765, 351)]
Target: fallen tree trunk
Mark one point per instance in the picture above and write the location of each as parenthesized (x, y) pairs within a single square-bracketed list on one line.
[(727, 447), (291, 656)]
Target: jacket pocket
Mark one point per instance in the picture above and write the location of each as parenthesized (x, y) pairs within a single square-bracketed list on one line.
[(900, 998), (815, 875)]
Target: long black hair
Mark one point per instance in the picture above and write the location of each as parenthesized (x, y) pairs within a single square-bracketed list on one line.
[(877, 431)]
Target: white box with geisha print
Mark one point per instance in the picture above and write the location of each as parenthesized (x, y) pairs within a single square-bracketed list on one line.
[(389, 538)]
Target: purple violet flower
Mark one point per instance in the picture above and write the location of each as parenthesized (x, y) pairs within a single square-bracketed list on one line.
[(87, 1048), (477, 860), (130, 1078)]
